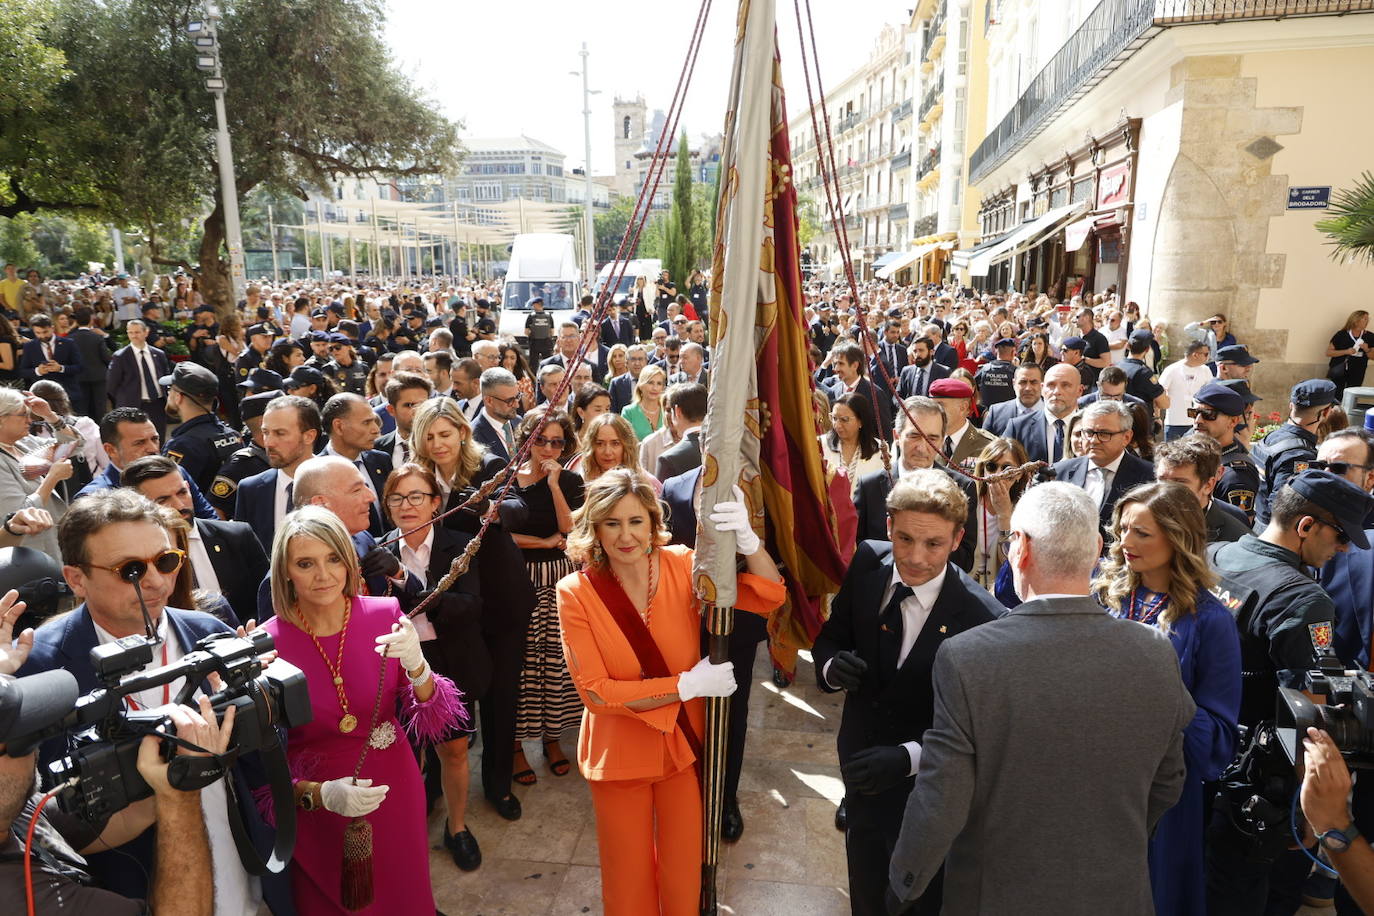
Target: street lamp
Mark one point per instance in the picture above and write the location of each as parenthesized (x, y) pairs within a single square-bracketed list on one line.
[(588, 224), (206, 40)]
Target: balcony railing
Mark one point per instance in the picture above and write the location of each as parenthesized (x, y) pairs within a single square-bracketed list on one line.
[(937, 23), (929, 162), (847, 121), (924, 226), (932, 97), (1114, 30), (903, 112), (896, 211), (901, 160)]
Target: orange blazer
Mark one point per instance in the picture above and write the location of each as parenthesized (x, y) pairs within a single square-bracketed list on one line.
[(617, 742)]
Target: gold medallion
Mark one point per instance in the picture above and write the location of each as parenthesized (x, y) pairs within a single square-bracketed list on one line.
[(348, 723)]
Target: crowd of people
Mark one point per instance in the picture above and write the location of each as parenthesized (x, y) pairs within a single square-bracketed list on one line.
[(1082, 572)]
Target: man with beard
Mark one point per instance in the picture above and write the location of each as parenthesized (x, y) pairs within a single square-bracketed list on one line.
[(1042, 432), (917, 377), (245, 462), (290, 427), (202, 442)]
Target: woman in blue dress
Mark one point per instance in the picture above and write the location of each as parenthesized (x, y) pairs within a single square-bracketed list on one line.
[(1156, 573)]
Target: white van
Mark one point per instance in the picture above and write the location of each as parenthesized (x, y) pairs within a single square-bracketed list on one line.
[(541, 264), (649, 268)]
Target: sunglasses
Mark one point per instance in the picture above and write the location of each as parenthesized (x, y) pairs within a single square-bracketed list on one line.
[(1339, 468), (546, 442), (1341, 537), (339, 346), (167, 563), (1207, 413)]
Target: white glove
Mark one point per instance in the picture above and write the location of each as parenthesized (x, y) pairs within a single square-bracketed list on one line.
[(344, 798), (734, 516), (707, 680), (402, 643)]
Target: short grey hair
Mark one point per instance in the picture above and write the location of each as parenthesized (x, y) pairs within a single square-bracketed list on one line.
[(1119, 409), (486, 346), (495, 377), (548, 371), (920, 404), (1062, 522), (313, 477), (11, 402)]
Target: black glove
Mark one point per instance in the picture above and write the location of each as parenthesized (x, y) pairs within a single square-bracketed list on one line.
[(380, 562), (876, 769), (896, 906), (846, 670)]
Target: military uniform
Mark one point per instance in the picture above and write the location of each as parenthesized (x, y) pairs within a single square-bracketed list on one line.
[(244, 462), (201, 445), (1240, 479), (1286, 451)]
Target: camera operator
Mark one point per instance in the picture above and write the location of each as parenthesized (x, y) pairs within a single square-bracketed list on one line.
[(60, 885), (105, 539), (1325, 790), (1284, 617)]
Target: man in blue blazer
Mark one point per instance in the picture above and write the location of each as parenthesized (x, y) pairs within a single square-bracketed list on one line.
[(51, 357), (1027, 381), (1037, 430), (290, 427), (126, 435), (102, 535), (131, 378), (495, 423), (617, 329), (622, 387), (1108, 470)]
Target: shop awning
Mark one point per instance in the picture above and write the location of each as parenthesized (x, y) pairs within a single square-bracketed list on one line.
[(1076, 233), (887, 259), (1024, 236), (905, 259), (962, 258)]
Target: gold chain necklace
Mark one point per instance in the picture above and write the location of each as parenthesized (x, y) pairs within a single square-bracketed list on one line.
[(349, 721), (653, 588)]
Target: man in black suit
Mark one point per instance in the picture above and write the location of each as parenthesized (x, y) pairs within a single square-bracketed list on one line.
[(617, 329), (1108, 470), (915, 448), (405, 391), (1043, 432), (916, 377), (55, 358), (93, 345), (495, 424), (847, 359), (352, 428), (622, 387), (132, 376), (892, 353), (225, 557), (941, 352), (685, 416), (899, 602), (569, 337), (691, 367), (1027, 381)]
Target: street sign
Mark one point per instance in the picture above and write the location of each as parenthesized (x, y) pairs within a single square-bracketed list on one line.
[(1315, 198)]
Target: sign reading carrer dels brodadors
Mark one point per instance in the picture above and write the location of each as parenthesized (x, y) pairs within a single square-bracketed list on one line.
[(1316, 198)]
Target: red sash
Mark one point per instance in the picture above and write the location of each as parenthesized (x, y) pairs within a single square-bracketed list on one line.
[(651, 662)]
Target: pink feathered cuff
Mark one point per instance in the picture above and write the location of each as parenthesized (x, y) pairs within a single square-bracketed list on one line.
[(438, 718)]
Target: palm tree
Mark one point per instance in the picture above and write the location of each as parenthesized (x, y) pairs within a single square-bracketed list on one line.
[(1351, 225)]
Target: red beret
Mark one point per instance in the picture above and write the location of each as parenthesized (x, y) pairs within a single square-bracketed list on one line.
[(951, 388)]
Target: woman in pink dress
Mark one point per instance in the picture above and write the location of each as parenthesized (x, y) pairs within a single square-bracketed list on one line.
[(324, 627)]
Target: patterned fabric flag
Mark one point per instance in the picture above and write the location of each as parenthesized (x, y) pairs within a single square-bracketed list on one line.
[(762, 425)]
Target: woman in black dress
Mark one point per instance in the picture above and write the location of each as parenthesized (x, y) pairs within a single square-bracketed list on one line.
[(547, 494), (1349, 352)]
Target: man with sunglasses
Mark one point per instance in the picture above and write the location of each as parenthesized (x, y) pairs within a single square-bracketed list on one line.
[(1284, 618), (118, 559), (1217, 412), (1292, 447)]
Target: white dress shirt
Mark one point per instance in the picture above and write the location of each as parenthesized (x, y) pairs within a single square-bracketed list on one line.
[(1049, 434), (416, 562), (201, 567), (1099, 482), (280, 507)]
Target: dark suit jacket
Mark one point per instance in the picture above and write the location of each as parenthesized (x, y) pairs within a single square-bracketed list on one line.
[(1131, 472), (619, 331), (679, 493), (890, 707), (603, 355), (239, 560), (906, 382), (256, 499), (622, 390), (66, 642), (378, 465), (1030, 430), (899, 352), (506, 608), (835, 389), (946, 354), (870, 499), (486, 434), (63, 351), (681, 458), (703, 377), (95, 354), (997, 417), (121, 376), (1349, 579)]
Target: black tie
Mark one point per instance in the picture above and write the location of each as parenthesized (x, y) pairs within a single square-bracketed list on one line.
[(890, 631), (153, 393), (949, 447), (289, 505), (1058, 440), (920, 381)]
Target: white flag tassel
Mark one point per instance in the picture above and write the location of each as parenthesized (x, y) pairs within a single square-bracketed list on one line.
[(741, 285)]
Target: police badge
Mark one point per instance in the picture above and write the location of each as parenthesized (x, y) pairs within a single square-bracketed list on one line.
[(1321, 635)]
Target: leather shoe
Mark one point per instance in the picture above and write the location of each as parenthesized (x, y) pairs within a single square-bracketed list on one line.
[(462, 845), (841, 822), (508, 807), (731, 821)]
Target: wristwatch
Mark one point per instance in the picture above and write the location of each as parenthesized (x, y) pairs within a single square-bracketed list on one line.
[(307, 799), (1338, 840)]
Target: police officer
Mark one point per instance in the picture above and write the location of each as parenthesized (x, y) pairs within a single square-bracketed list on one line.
[(1234, 362), (247, 460), (348, 372), (1241, 387), (318, 344), (1141, 379), (994, 380), (1284, 617), (539, 331), (1217, 411), (260, 380), (201, 443), (1292, 447), (255, 354)]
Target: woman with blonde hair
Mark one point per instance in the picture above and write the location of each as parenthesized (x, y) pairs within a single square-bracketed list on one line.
[(1349, 351), (617, 363), (646, 412), (334, 635), (609, 442), (1156, 573), (631, 635)]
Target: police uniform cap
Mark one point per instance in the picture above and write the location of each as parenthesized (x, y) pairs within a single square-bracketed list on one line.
[(255, 405), (1214, 394), (1241, 387), (202, 309), (256, 329), (1315, 392), (336, 307), (302, 376), (316, 335), (951, 388), (1073, 343), (1142, 334), (319, 313), (193, 379), (262, 378), (1236, 353), (1004, 342), (337, 338), (1347, 503)]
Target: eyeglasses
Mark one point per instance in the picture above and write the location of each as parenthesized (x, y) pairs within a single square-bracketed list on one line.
[(167, 563), (509, 402), (1341, 537), (546, 442), (1339, 468), (1207, 413), (834, 419), (1099, 435), (395, 500)]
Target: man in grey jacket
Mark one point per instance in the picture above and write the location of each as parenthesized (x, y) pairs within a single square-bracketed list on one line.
[(1057, 741)]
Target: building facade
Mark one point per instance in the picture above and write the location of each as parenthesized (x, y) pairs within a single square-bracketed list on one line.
[(637, 135)]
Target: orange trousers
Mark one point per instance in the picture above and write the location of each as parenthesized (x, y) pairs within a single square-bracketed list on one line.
[(649, 834)]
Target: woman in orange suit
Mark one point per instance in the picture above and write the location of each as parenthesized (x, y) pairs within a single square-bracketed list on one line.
[(632, 638)]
